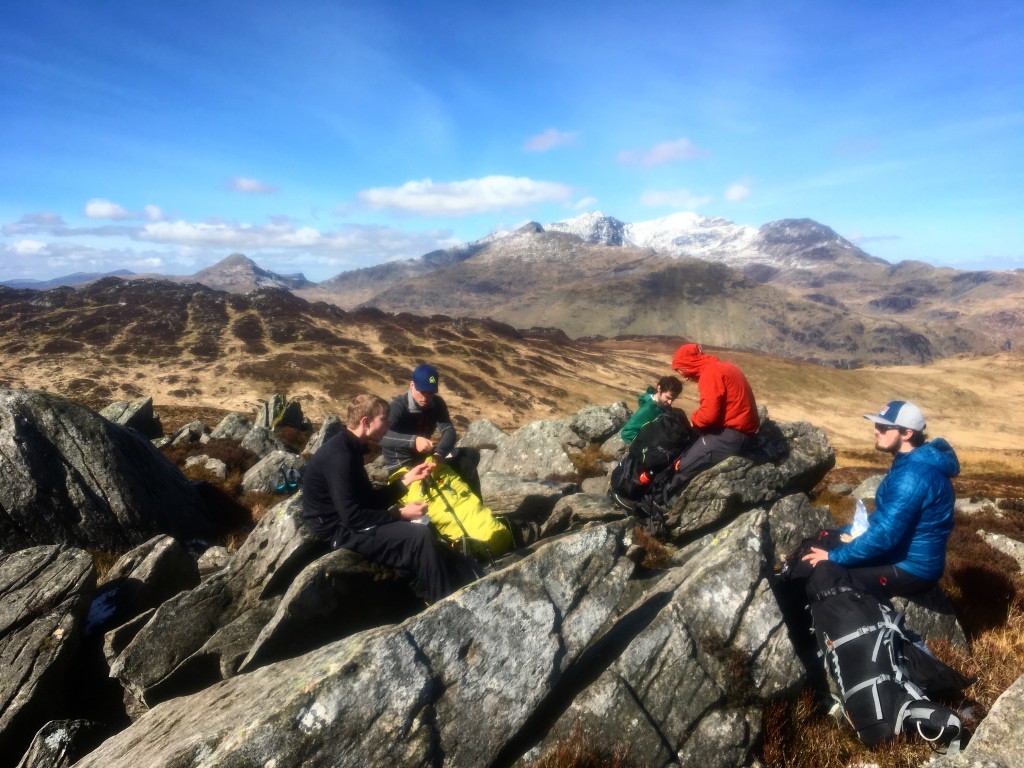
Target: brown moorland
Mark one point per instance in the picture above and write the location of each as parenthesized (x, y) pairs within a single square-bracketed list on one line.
[(200, 354)]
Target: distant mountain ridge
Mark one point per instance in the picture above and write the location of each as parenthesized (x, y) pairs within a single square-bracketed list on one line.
[(76, 278), (792, 287)]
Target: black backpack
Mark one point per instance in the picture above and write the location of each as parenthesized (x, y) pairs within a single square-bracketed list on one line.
[(656, 446), (878, 675)]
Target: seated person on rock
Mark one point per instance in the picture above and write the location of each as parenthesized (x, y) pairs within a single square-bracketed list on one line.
[(655, 401), (726, 420), (344, 509), (903, 550), (415, 416)]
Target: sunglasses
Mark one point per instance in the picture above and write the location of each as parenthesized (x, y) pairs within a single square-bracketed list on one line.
[(883, 428)]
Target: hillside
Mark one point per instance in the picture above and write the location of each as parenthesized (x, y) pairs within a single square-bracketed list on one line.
[(190, 347)]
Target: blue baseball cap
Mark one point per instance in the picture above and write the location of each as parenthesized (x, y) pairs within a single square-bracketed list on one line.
[(425, 378), (899, 413)]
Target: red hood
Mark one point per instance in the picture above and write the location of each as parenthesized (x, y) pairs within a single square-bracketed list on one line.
[(690, 359)]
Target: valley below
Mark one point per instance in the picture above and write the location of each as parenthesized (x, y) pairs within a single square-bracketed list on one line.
[(195, 350)]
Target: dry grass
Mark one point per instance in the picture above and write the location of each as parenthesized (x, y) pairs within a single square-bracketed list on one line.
[(590, 462), (656, 555), (797, 736), (103, 560), (584, 750)]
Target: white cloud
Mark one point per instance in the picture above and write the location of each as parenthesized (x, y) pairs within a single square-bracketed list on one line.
[(252, 186), (585, 203), (26, 247), (98, 208), (227, 235), (680, 199), (659, 154), (739, 191), (153, 212), (461, 198), (34, 223), (550, 139)]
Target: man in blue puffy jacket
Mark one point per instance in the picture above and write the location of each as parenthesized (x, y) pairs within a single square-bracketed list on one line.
[(903, 550)]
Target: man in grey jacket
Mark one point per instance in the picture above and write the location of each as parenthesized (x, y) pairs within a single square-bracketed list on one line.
[(416, 415)]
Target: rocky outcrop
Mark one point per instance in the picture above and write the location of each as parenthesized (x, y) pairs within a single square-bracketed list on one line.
[(593, 630), (59, 743), (332, 425), (136, 414), (450, 686), (789, 457), (141, 580), (270, 472), (202, 635), (279, 412), (73, 477), (263, 442), (232, 427), (715, 649), (44, 594), (538, 452)]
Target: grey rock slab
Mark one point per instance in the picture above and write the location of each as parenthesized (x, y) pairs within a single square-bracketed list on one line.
[(483, 433), (44, 593), (538, 452), (266, 474), (141, 579), (332, 425), (1006, 545), (263, 442), (73, 477), (234, 426), (522, 499), (136, 414), (449, 686), (60, 743), (183, 626), (999, 740), (719, 636), (596, 423)]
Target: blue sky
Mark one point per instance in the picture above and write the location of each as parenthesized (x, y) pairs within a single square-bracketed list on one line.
[(317, 137)]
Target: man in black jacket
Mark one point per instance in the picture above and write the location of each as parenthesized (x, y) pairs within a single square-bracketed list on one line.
[(344, 509), (414, 418)]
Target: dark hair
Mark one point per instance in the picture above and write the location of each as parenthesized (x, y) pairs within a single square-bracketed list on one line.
[(366, 405), (670, 384), (917, 439)]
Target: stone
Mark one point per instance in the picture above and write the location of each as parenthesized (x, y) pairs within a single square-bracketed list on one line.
[(483, 433), (137, 415), (72, 477), (44, 593), (263, 442), (232, 427), (269, 472), (332, 425), (596, 423), (538, 452)]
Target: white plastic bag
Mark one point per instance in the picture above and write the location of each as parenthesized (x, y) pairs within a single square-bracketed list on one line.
[(860, 519)]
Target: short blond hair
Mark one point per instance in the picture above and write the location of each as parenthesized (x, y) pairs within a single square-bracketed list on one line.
[(366, 405)]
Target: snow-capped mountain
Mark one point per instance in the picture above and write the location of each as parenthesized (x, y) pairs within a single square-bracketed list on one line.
[(786, 245)]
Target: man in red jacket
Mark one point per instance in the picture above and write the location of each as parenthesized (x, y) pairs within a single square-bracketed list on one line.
[(726, 419)]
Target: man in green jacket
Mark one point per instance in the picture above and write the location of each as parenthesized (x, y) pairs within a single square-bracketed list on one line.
[(651, 404)]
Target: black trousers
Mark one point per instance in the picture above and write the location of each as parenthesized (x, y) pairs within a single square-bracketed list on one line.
[(414, 551), (705, 452), (885, 581)]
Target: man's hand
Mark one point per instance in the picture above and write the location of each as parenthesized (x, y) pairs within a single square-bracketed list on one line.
[(815, 556), (419, 472), (424, 445), (414, 510)]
